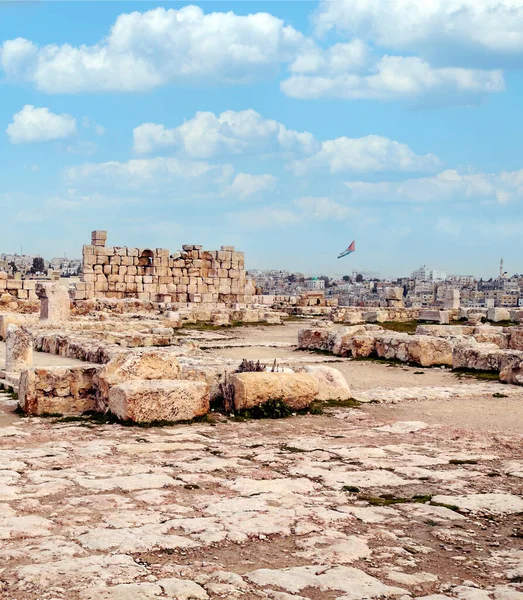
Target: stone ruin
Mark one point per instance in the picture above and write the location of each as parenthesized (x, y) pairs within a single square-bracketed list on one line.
[(192, 275)]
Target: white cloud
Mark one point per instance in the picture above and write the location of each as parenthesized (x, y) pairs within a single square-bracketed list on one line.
[(366, 154), (39, 125), (463, 27), (231, 132), (153, 175), (248, 133), (322, 209), (156, 47), (501, 188), (245, 185), (397, 78), (339, 58)]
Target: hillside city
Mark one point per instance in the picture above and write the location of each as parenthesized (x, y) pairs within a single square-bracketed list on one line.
[(424, 287)]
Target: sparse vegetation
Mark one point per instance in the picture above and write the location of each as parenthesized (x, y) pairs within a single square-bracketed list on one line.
[(473, 374), (498, 395), (463, 461), (401, 327), (388, 499), (351, 489)]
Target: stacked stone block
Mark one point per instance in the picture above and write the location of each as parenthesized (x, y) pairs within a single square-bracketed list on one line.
[(193, 275), (18, 288)]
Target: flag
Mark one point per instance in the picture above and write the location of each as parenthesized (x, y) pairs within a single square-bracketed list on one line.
[(350, 249)]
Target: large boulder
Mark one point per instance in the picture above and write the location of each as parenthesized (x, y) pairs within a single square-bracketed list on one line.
[(340, 339), (128, 366), (429, 351), (58, 390), (297, 390), (146, 401), (331, 383)]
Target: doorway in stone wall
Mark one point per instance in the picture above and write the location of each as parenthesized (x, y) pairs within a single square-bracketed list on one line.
[(146, 259)]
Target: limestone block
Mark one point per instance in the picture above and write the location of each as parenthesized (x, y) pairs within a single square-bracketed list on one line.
[(498, 314), (339, 340), (429, 351), (3, 284), (483, 357), (331, 383), (220, 319), (516, 338), (14, 284), (314, 339), (429, 315), (146, 364), (444, 317), (362, 346), (18, 349), (512, 373), (375, 316), (298, 390), (55, 305), (492, 335), (57, 390)]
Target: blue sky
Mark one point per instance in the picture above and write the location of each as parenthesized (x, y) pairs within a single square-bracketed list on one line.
[(285, 128)]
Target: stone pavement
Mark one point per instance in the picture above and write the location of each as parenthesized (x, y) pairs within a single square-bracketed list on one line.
[(346, 506)]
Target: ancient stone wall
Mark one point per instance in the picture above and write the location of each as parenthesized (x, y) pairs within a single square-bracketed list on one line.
[(191, 275)]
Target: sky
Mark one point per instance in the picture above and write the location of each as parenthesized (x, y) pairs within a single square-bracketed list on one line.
[(287, 129)]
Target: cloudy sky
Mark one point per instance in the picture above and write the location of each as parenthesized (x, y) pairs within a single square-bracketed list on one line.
[(287, 129)]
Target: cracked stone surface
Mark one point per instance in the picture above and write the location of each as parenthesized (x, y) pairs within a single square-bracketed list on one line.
[(348, 505)]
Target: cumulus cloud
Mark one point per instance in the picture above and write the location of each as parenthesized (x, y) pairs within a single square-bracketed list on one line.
[(396, 78), (366, 154), (248, 133), (39, 125), (245, 185), (450, 185), (466, 28), (322, 209), (231, 132), (156, 47)]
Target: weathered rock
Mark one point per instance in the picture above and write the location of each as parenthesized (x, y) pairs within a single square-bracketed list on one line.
[(512, 373), (392, 346), (331, 383), (429, 351), (298, 390), (313, 339), (429, 315), (483, 357), (18, 349), (58, 390), (363, 346), (145, 401), (55, 304), (376, 316), (339, 341), (491, 335), (516, 338), (498, 314), (146, 364)]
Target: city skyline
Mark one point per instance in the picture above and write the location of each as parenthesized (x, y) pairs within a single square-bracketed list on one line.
[(315, 124)]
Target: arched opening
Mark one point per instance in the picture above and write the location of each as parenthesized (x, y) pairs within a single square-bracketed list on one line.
[(146, 259)]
